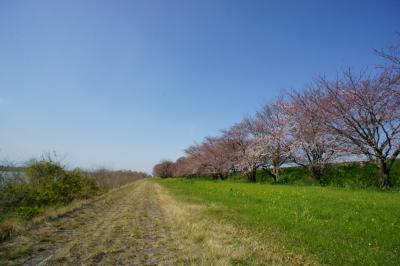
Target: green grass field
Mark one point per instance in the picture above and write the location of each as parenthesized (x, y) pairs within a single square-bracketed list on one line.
[(330, 225)]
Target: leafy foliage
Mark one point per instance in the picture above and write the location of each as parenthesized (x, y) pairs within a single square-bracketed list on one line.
[(353, 175), (48, 184)]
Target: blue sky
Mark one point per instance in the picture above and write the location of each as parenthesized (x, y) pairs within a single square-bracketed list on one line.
[(123, 84)]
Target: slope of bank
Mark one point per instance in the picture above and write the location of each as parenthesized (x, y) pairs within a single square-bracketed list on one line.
[(330, 225)]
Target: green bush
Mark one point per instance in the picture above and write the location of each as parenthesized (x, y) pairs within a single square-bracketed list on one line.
[(14, 195), (49, 184), (349, 175), (74, 185), (45, 170), (27, 213)]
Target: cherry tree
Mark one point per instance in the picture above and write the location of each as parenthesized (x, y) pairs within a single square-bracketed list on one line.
[(365, 112), (164, 169), (312, 145), (236, 140), (196, 162), (391, 69), (239, 146), (270, 145), (182, 167), (215, 160), (210, 157)]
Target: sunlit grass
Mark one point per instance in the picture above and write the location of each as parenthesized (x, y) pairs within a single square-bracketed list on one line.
[(332, 226)]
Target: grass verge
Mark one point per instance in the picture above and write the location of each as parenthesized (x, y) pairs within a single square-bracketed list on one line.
[(329, 225)]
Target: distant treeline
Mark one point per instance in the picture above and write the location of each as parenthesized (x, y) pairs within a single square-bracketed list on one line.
[(107, 179), (355, 115), (10, 168)]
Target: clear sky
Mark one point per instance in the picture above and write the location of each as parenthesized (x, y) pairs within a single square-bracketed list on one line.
[(123, 84)]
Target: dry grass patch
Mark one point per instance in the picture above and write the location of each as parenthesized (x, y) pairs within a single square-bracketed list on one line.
[(9, 228), (222, 244)]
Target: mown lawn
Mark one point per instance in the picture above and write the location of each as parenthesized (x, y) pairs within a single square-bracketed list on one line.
[(332, 226)]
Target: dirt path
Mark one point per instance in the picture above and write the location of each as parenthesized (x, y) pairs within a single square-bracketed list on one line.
[(140, 224), (127, 227)]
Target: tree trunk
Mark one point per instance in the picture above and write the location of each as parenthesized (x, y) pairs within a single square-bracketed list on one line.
[(275, 172), (216, 176), (272, 174), (384, 182), (252, 175), (316, 172)]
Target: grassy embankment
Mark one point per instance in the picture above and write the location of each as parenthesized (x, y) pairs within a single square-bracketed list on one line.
[(329, 225), (348, 175), (352, 175)]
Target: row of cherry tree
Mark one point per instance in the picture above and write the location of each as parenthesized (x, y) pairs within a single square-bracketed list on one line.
[(348, 117)]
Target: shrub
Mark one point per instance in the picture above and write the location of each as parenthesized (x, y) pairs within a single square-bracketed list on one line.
[(348, 175), (74, 185), (49, 184), (26, 213), (45, 170), (17, 194)]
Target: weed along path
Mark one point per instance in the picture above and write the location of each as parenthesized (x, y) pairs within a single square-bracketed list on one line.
[(139, 224)]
